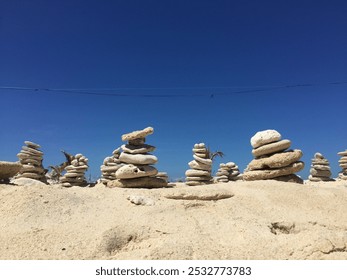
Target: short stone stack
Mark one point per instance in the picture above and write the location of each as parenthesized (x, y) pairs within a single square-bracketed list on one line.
[(74, 175), (320, 169), (228, 172), (201, 167), (272, 159), (31, 159), (137, 171), (343, 165), (110, 166)]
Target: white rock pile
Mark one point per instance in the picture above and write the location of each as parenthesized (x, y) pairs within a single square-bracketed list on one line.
[(228, 172), (110, 166), (343, 165), (200, 168), (272, 159), (31, 159), (137, 170), (320, 169), (74, 175)]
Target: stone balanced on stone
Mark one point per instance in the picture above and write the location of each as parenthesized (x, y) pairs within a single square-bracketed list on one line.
[(110, 166), (320, 169), (272, 159), (137, 171), (228, 172), (343, 165), (200, 168), (74, 175), (31, 159)]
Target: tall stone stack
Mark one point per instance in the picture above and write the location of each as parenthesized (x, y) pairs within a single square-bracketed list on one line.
[(200, 168), (320, 169), (110, 166), (137, 171), (74, 175), (228, 172), (343, 165), (272, 160), (31, 159)]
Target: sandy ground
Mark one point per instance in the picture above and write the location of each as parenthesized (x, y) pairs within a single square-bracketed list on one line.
[(236, 220)]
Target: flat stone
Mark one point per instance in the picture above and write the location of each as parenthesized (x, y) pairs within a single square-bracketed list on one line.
[(130, 171), (344, 153), (343, 160), (32, 150), (74, 174), (320, 173), (343, 165), (292, 178), (138, 134), (32, 144), (137, 142), (231, 164), (199, 146), (22, 155), (273, 173), (203, 160), (138, 158), (319, 179), (222, 177), (271, 148), (143, 182), (196, 173), (198, 165), (140, 149), (201, 155), (31, 161), (222, 173), (198, 194), (199, 178), (320, 161), (199, 150), (31, 175), (265, 137), (277, 160), (9, 169), (32, 168), (321, 167), (111, 168), (28, 182)]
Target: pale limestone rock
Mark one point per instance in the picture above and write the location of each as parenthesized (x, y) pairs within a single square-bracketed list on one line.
[(272, 173), (205, 161), (140, 149), (9, 169), (138, 158), (32, 144), (130, 171), (142, 182), (271, 148), (277, 160), (196, 173), (28, 182), (141, 200), (138, 134), (265, 137), (198, 165)]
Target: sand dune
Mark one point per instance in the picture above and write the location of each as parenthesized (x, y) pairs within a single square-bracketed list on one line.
[(236, 220)]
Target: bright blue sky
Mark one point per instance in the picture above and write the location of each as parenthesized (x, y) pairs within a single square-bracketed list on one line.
[(182, 48)]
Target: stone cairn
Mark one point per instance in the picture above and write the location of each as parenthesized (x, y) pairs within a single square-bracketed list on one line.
[(320, 169), (74, 175), (343, 165), (228, 172), (110, 166), (201, 167), (272, 159), (137, 170), (31, 159)]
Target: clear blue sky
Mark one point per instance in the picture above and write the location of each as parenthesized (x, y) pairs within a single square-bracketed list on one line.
[(210, 57)]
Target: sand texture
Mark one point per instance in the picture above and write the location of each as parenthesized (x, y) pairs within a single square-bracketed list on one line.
[(235, 220)]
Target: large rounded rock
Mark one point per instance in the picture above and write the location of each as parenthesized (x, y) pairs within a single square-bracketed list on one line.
[(138, 158), (198, 165), (265, 137), (275, 161), (130, 171), (253, 175), (9, 169), (138, 134), (143, 182), (271, 148)]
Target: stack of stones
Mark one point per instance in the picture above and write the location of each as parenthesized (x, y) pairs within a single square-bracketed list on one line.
[(320, 169), (31, 159), (272, 159), (110, 166), (201, 167), (228, 172), (343, 165), (137, 170), (74, 175)]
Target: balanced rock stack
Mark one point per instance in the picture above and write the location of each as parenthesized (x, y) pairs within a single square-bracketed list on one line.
[(343, 165), (74, 175), (272, 159), (110, 166), (228, 172), (137, 171), (320, 169), (31, 159), (201, 167)]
